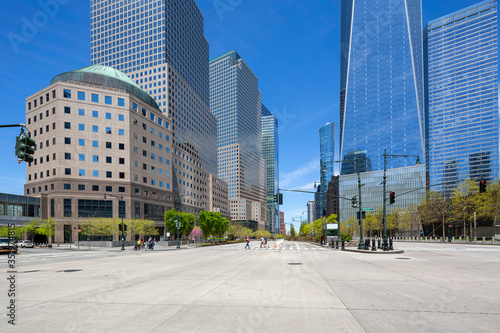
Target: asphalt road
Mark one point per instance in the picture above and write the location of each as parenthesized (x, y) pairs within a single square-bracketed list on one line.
[(296, 287)]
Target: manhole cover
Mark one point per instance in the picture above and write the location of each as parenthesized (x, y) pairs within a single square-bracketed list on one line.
[(404, 258), (294, 263)]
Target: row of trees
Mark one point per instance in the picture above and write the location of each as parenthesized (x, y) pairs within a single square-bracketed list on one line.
[(436, 211), (45, 227), (105, 227)]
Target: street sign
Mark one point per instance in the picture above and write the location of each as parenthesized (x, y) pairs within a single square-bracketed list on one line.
[(366, 209), (168, 234), (348, 225), (178, 224)]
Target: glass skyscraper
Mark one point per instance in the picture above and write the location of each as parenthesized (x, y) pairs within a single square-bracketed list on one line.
[(327, 158), (270, 153), (235, 100), (381, 84), (161, 46), (461, 84)]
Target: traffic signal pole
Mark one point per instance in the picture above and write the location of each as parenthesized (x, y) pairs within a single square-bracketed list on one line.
[(384, 218)]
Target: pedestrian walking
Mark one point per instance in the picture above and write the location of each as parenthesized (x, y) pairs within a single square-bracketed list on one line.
[(262, 242), (248, 243), (265, 239)]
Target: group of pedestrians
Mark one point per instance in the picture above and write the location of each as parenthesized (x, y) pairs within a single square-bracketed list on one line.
[(149, 245), (263, 242)]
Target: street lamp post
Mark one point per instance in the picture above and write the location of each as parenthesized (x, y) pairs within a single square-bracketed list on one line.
[(120, 200), (384, 220)]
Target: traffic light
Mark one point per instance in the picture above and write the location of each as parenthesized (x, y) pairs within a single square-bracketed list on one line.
[(125, 227), (275, 198), (280, 198), (482, 186), (392, 198), (354, 202), (25, 148), (17, 147), (120, 227)]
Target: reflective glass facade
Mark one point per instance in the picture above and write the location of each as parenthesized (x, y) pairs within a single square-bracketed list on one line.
[(235, 100), (161, 46), (462, 121), (270, 153), (133, 35), (400, 181), (327, 156), (381, 80)]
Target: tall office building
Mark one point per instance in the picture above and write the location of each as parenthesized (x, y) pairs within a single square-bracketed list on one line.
[(310, 211), (270, 153), (282, 223), (161, 46), (235, 100), (462, 125), (381, 79), (381, 98), (327, 158)]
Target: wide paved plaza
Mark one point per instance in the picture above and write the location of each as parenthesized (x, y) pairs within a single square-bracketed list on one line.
[(295, 287)]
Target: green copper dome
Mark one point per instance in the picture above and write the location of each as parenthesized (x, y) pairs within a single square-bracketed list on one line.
[(107, 77)]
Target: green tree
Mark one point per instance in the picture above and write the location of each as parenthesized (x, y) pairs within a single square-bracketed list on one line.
[(187, 223), (213, 224), (489, 203), (32, 227), (186, 220), (351, 226), (221, 225), (293, 233), (435, 210), (318, 227), (18, 232), (466, 200), (392, 221), (100, 227), (141, 227), (372, 223), (305, 229), (47, 228)]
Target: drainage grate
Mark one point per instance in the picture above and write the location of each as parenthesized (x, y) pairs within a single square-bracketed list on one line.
[(404, 258), (294, 263)]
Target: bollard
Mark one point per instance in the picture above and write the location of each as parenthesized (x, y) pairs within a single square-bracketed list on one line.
[(390, 244), (484, 240), (343, 245), (332, 244), (374, 248), (337, 244), (367, 244), (379, 244)]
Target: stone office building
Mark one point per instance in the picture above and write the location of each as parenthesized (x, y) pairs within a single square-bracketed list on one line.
[(97, 133)]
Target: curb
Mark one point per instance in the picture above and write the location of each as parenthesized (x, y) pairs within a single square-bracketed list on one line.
[(374, 252)]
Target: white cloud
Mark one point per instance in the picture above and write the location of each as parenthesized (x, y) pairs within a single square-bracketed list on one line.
[(293, 177)]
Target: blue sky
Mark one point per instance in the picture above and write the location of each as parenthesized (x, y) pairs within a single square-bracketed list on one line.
[(291, 45)]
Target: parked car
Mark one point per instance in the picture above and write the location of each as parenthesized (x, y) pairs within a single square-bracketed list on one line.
[(6, 246), (25, 243)]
